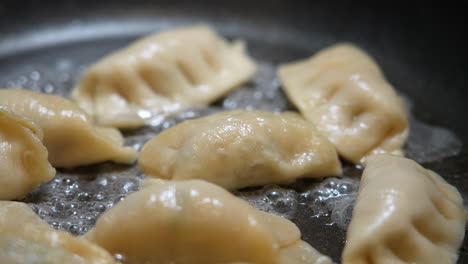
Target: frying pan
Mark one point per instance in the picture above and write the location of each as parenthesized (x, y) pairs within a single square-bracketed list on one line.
[(421, 49)]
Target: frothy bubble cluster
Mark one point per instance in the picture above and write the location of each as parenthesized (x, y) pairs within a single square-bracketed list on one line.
[(332, 197), (274, 199), (74, 199)]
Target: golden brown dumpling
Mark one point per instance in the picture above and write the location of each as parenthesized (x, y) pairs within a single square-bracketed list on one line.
[(240, 148), (162, 73), (69, 134), (23, 157), (26, 239), (404, 214), (195, 222), (344, 93)]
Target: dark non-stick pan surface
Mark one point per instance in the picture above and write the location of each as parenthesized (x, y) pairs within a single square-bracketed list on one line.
[(46, 45)]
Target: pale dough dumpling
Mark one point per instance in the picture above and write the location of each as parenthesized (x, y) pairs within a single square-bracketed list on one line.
[(26, 239), (240, 148), (162, 73), (23, 157), (69, 134), (344, 93), (404, 214), (196, 222), (303, 253)]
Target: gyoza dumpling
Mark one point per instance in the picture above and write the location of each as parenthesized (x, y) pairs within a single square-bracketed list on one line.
[(162, 73), (303, 253), (195, 222), (69, 134), (240, 148), (26, 239), (344, 93), (23, 158), (404, 214)]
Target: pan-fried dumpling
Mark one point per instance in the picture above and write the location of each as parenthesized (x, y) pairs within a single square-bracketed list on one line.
[(303, 253), (404, 214), (195, 222), (162, 73), (23, 158), (69, 134), (26, 239), (241, 148), (344, 93)]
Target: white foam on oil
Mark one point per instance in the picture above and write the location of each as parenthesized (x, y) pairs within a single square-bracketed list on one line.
[(333, 197), (273, 199), (428, 143), (73, 200)]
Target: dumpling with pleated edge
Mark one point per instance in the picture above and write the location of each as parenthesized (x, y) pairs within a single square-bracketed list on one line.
[(23, 157), (404, 214), (161, 74), (25, 239), (241, 148), (196, 222), (345, 94), (70, 135)]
